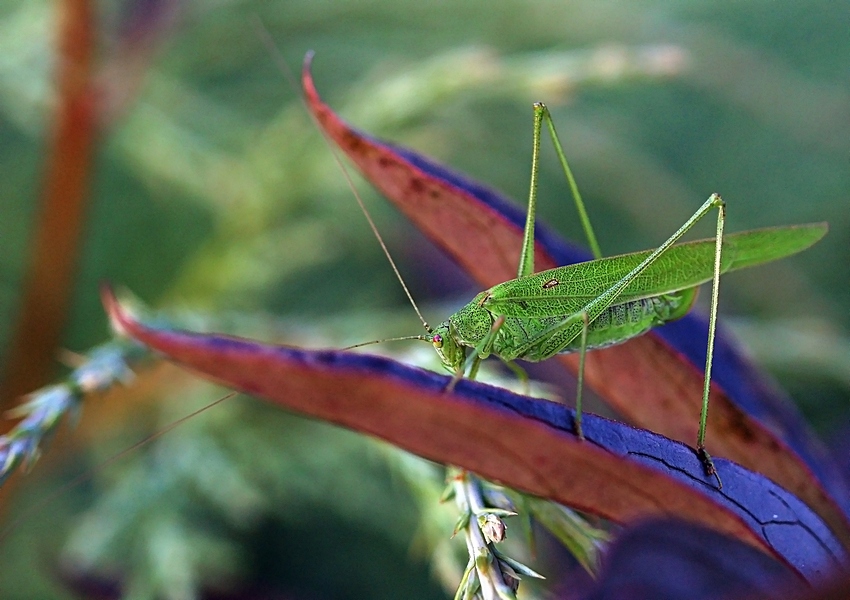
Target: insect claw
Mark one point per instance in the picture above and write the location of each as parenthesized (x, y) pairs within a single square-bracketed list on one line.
[(708, 465), (455, 378)]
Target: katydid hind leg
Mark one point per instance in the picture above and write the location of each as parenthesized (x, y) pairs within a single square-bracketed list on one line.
[(580, 381), (526, 257), (526, 261), (709, 351), (568, 173)]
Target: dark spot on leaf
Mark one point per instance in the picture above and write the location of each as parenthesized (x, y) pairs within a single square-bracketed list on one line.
[(740, 425), (352, 141)]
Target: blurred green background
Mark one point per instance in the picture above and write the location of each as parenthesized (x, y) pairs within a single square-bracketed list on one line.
[(213, 192)]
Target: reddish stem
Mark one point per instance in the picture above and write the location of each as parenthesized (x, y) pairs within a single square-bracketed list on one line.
[(60, 218)]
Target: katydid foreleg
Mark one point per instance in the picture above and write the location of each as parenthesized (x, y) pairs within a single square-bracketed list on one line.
[(479, 353), (526, 259)]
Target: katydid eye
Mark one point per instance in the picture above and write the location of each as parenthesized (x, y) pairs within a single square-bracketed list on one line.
[(437, 340)]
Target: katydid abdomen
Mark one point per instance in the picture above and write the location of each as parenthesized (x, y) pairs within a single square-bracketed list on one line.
[(527, 339), (622, 322), (533, 307)]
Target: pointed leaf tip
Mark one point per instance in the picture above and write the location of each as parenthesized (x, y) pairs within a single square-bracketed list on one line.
[(618, 472), (118, 318)]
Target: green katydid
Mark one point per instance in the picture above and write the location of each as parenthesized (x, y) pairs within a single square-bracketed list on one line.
[(604, 301)]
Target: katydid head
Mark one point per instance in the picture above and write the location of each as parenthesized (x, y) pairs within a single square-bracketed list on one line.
[(451, 353)]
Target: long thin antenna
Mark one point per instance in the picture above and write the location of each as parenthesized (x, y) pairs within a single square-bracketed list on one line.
[(282, 65), (393, 339), (88, 474)]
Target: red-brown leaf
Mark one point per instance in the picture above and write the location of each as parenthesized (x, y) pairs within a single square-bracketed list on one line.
[(655, 381), (618, 472)]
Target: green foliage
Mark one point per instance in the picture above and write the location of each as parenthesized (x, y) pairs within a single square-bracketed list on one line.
[(214, 190)]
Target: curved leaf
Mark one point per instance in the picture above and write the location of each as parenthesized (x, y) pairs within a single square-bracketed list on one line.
[(618, 472), (656, 380), (667, 559)]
